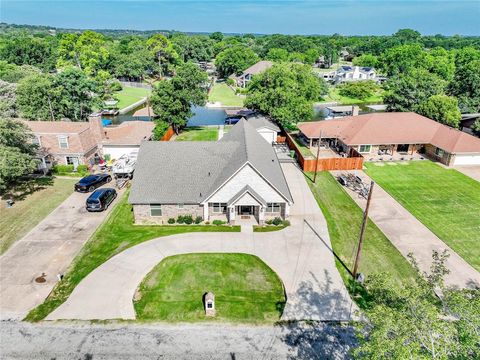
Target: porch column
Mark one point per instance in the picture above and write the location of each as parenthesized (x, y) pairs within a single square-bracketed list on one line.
[(261, 215), (310, 142), (287, 210), (205, 212), (231, 212)]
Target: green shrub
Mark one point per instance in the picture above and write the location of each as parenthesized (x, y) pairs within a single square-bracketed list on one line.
[(180, 219), (218, 222), (188, 219), (82, 168), (171, 221), (277, 221), (57, 169), (286, 223), (230, 82), (269, 222), (107, 157), (198, 220)]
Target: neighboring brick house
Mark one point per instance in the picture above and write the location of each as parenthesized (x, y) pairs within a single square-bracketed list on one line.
[(235, 179), (393, 133), (65, 142)]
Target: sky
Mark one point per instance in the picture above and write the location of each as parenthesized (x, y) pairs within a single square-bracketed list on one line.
[(353, 17)]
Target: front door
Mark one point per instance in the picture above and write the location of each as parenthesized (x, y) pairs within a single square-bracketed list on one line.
[(245, 210)]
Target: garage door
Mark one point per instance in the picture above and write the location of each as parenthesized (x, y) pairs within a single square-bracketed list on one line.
[(116, 151), (467, 160)]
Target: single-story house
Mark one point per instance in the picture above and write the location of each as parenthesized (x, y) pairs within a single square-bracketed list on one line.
[(125, 138), (235, 179), (395, 132), (265, 127), (244, 78), (351, 73)]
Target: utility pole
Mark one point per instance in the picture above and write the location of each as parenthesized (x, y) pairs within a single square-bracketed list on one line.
[(362, 231), (318, 154)]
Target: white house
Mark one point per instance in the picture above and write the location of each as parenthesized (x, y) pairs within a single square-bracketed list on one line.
[(235, 179), (351, 73)]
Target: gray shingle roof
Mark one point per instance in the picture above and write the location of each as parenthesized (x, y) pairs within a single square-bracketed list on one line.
[(189, 172), (247, 189), (259, 121)]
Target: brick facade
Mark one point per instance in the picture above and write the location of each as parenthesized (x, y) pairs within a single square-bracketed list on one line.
[(142, 213)]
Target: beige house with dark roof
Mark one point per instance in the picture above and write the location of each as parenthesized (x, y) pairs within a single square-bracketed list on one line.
[(245, 77), (392, 133)]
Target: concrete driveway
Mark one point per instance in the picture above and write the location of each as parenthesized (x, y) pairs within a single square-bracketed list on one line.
[(300, 255), (472, 171), (48, 249), (409, 235)]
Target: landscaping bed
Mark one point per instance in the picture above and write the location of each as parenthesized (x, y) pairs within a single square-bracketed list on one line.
[(245, 289), (116, 234), (444, 200)]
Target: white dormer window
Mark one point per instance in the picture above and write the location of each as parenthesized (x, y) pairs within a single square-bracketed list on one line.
[(63, 141)]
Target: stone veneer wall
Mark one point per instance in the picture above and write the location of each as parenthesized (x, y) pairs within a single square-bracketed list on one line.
[(142, 213)]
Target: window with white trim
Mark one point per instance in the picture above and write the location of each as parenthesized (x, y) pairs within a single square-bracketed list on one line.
[(439, 152), (63, 141), (273, 208), (155, 210), (364, 148), (72, 160), (219, 208)]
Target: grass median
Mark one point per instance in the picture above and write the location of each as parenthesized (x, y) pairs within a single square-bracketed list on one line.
[(116, 234)]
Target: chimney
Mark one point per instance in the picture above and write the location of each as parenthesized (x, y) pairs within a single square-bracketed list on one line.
[(96, 126), (355, 110)]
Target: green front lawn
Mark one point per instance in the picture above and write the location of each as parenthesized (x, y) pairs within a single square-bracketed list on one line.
[(116, 234), (444, 200), (130, 95), (334, 96), (245, 289), (198, 133), (34, 200), (344, 219), (222, 93)]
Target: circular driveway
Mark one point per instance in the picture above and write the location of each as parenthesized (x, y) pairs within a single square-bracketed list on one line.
[(299, 254)]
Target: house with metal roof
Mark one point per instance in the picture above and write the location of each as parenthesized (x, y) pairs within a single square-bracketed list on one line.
[(237, 178)]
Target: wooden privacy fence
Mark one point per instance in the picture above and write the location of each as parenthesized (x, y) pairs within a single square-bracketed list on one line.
[(168, 134), (354, 162)]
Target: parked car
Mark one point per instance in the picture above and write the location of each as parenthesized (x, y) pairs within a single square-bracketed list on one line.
[(91, 182), (100, 199)]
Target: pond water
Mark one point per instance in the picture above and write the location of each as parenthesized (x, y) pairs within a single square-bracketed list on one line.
[(202, 116)]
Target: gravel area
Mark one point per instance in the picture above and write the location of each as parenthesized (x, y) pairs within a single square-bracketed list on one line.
[(85, 340)]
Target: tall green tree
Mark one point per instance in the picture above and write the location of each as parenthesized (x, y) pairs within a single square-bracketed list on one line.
[(367, 60), (441, 108), (276, 54), (234, 60), (17, 152), (172, 99), (466, 80), (164, 53), (37, 98), (407, 91), (8, 100), (286, 92), (403, 58), (24, 49)]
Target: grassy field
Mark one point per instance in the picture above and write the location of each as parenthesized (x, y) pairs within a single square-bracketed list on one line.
[(33, 202), (222, 93), (116, 234), (198, 133), (130, 95), (245, 289), (268, 228), (334, 96), (344, 219), (444, 200)]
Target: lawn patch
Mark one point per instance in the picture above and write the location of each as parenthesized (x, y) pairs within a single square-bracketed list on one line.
[(130, 95), (344, 219), (223, 94), (34, 200), (334, 96), (444, 200), (198, 133), (245, 289), (116, 234)]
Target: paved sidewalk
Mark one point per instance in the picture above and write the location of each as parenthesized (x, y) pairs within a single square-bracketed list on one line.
[(409, 235), (221, 131), (472, 171), (301, 258), (48, 248)]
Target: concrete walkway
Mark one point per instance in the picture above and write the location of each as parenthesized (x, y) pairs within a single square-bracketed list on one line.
[(409, 235), (221, 131), (472, 171), (48, 248), (300, 255)]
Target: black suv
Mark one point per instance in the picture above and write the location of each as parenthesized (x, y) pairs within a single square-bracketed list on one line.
[(91, 182), (100, 199)]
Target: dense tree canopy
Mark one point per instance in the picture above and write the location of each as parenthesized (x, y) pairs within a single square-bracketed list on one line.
[(286, 92), (234, 60), (441, 108)]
